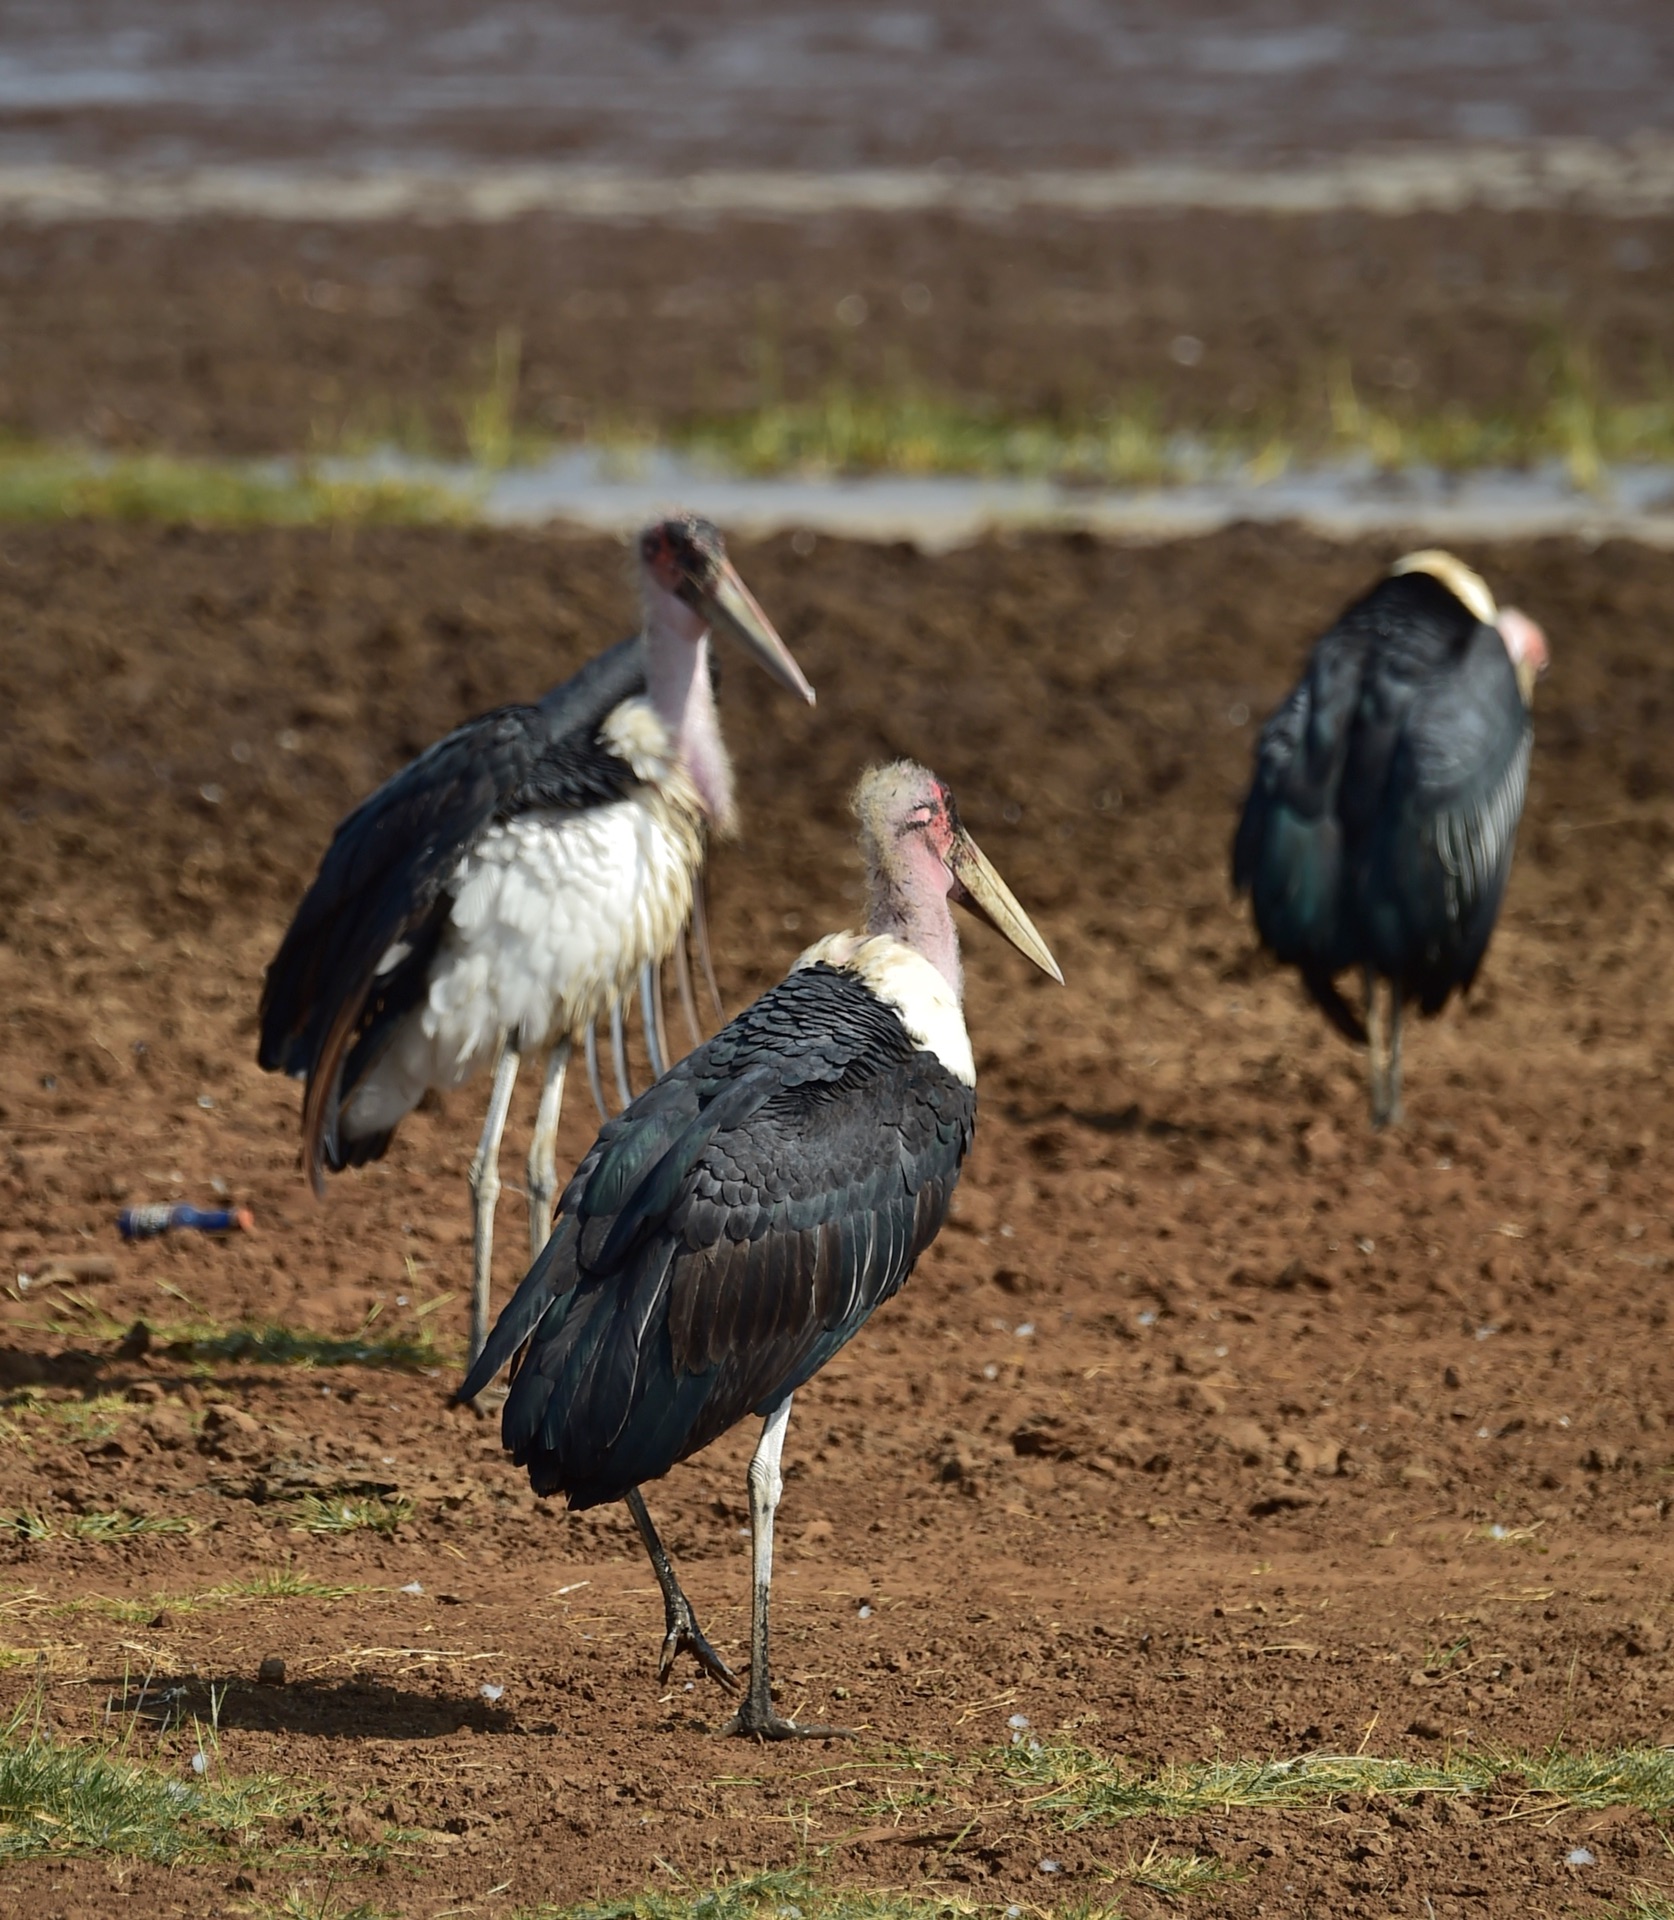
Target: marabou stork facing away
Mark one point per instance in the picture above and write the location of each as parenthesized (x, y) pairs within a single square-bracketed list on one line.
[(1380, 824), (745, 1217), (507, 889)]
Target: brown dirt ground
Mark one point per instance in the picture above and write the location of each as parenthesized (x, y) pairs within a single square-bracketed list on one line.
[(1231, 1493), (253, 338)]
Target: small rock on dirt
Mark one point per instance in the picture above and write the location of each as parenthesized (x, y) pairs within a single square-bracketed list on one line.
[(271, 1672), (230, 1433)]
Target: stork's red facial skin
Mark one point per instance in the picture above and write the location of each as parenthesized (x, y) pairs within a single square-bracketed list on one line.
[(682, 552)]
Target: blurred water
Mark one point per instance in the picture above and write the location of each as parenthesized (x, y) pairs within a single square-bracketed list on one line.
[(1007, 84), (609, 492)]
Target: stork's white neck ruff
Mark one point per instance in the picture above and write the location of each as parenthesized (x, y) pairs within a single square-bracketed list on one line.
[(911, 986)]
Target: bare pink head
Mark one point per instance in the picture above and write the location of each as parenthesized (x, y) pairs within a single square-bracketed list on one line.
[(690, 588), (919, 858), (1526, 644)]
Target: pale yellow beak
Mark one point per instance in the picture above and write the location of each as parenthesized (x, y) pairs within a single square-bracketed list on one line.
[(982, 889), (729, 604)]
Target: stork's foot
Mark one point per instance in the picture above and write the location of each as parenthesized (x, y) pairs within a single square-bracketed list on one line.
[(756, 1719), (684, 1635)]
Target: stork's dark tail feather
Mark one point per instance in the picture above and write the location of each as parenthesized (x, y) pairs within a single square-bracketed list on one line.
[(1323, 991), (523, 1312)]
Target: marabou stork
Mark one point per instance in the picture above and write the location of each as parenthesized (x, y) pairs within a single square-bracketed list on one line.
[(508, 887), (1379, 827), (744, 1218)]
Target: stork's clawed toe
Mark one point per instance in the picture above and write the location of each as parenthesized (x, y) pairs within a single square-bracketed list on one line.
[(753, 1723), (684, 1635)]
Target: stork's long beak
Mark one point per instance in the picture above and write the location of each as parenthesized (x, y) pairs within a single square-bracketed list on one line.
[(728, 603), (979, 887)]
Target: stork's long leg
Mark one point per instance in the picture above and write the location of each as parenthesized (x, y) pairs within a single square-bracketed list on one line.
[(1393, 1115), (484, 1177), (543, 1149), (1375, 1049), (682, 1633), (756, 1717), (651, 1018), (665, 1052), (700, 927), (688, 999), (590, 1044), (619, 1052)]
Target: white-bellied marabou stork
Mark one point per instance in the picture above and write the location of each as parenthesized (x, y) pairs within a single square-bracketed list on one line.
[(744, 1218), (1380, 824), (508, 888)]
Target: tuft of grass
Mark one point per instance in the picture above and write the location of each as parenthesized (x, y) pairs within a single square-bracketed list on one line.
[(282, 1583), (1179, 1873), (1087, 1789), (52, 483), (76, 1798), (279, 1583), (488, 416), (315, 1514), (789, 1895), (30, 1525), (1644, 1903)]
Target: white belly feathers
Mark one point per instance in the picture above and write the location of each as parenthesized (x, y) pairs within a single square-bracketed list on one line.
[(553, 916)]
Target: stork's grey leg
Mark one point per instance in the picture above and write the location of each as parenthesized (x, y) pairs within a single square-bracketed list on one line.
[(651, 1018), (619, 1051), (484, 1177), (1375, 1048), (543, 1149), (756, 1718), (682, 1633), (688, 999), (1393, 1115), (700, 927), (590, 1042)]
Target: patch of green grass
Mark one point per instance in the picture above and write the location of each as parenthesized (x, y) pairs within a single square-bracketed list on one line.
[(315, 1514), (297, 1347), (89, 1420), (279, 1583), (77, 1798), (789, 1895), (199, 1339), (1644, 1903), (94, 1526), (1087, 1789), (52, 483), (920, 433)]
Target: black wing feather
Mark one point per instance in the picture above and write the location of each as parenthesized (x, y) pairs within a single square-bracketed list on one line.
[(1436, 864), (326, 1009), (663, 1311), (1380, 821)]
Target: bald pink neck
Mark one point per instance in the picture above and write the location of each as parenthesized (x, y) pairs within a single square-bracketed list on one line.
[(907, 897), (677, 683)]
